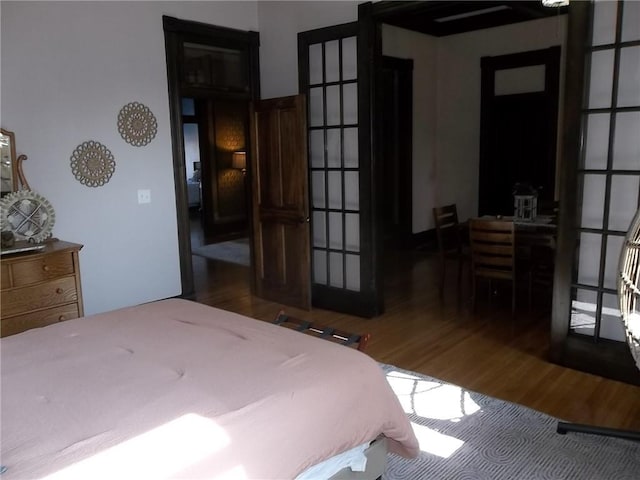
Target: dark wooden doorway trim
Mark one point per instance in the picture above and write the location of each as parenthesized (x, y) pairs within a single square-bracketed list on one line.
[(176, 32), (579, 19), (565, 349), (427, 17), (400, 122), (550, 58)]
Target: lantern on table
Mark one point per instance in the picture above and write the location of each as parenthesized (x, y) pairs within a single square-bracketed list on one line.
[(525, 202)]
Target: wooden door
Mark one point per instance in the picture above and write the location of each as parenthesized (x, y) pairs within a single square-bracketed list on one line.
[(280, 223)]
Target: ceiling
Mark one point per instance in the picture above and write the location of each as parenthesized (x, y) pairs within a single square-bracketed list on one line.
[(447, 18)]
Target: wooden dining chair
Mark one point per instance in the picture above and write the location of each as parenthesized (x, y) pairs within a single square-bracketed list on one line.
[(535, 259), (450, 245), (492, 254)]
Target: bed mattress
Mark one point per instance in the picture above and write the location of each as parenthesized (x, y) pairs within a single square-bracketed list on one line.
[(176, 389)]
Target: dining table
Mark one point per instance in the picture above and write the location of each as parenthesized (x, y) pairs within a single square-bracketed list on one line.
[(539, 231)]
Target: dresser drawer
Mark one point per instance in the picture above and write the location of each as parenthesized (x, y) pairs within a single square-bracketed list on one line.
[(40, 269), (13, 325), (55, 292)]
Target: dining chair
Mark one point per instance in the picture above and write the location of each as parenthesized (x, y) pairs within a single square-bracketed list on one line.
[(492, 254), (535, 259), (450, 244)]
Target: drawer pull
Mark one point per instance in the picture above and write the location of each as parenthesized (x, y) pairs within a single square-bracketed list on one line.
[(46, 268), (62, 318), (59, 290)]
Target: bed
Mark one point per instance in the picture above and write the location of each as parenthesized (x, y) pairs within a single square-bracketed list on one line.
[(177, 389)]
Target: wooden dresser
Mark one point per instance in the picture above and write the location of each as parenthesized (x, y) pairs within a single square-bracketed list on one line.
[(40, 288)]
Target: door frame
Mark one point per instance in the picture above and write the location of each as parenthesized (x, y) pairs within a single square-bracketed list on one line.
[(368, 301), (579, 19), (176, 32), (404, 68), (550, 58)]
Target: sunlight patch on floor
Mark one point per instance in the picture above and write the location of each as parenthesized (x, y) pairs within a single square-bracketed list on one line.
[(435, 442), (431, 399)]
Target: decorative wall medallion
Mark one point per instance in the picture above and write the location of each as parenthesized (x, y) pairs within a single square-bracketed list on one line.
[(28, 215), (137, 124), (92, 164)]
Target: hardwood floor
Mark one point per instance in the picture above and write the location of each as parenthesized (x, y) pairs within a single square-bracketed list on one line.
[(488, 352)]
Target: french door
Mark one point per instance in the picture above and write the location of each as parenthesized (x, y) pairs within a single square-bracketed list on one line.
[(333, 74), (601, 188)]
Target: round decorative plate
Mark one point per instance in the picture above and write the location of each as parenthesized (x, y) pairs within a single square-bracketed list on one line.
[(137, 124), (28, 215), (92, 164)]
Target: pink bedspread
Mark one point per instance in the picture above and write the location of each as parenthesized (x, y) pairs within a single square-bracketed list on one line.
[(175, 389)]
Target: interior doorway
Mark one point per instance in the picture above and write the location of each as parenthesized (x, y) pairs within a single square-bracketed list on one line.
[(518, 130), (397, 160), (215, 144), (212, 76), (517, 153)]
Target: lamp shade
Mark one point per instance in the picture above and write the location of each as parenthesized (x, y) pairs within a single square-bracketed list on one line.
[(239, 160)]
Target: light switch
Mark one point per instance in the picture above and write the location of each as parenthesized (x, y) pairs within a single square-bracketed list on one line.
[(144, 196)]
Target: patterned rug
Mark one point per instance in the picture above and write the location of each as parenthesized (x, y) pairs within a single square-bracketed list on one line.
[(468, 436), (233, 251)]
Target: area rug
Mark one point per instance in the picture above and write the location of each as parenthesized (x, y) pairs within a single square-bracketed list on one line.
[(233, 251), (468, 436)]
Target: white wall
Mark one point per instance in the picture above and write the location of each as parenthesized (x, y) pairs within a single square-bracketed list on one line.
[(401, 43), (446, 102), (280, 23), (67, 69), (458, 124)]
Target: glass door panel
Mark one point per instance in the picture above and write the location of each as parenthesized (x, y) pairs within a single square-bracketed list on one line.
[(609, 179), (343, 255)]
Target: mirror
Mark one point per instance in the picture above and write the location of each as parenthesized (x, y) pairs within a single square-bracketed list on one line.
[(8, 163)]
